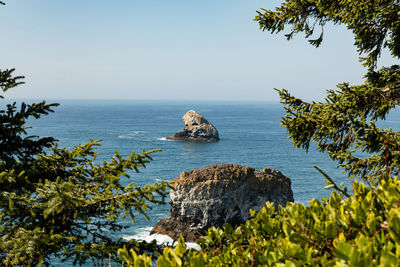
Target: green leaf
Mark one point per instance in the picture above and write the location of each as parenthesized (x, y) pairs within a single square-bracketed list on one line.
[(343, 251)]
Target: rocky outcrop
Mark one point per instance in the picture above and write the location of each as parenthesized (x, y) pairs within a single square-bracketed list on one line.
[(220, 194), (197, 128)]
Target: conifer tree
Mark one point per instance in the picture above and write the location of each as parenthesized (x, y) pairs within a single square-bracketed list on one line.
[(346, 122), (56, 202)]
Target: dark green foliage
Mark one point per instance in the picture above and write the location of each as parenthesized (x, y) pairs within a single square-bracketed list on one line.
[(60, 202), (7, 81), (374, 23), (15, 146), (345, 123)]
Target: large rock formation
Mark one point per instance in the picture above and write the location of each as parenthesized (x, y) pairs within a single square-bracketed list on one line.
[(220, 194), (196, 128)]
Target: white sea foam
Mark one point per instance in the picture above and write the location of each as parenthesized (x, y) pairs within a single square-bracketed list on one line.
[(162, 139), (125, 136), (132, 135), (143, 234)]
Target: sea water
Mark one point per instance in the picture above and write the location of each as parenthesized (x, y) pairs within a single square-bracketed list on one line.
[(250, 135)]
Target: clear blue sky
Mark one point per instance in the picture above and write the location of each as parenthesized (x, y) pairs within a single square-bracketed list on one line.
[(165, 50)]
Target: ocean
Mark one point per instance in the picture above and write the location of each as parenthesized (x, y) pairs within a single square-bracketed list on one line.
[(250, 135)]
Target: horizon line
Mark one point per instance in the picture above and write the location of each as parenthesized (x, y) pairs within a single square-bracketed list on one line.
[(139, 100)]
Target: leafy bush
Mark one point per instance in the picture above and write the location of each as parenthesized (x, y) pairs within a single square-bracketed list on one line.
[(362, 230)]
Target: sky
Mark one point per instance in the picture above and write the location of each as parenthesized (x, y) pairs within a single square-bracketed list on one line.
[(166, 50)]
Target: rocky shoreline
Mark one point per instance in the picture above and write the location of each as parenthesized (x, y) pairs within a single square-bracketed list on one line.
[(219, 194)]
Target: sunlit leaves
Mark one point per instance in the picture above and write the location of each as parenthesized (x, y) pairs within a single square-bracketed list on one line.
[(338, 231)]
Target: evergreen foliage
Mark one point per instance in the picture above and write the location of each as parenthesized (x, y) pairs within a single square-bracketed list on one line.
[(345, 123), (374, 23), (360, 227), (56, 202)]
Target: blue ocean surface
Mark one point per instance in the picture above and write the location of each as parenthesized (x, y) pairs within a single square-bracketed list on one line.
[(250, 135)]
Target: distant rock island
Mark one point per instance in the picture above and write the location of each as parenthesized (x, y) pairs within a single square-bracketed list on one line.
[(197, 128), (220, 194)]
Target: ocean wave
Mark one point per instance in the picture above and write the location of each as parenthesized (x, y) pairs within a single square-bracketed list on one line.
[(139, 132), (163, 139), (125, 137), (144, 235), (132, 135)]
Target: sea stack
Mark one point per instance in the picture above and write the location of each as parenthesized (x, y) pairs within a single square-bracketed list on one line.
[(220, 194), (197, 128)]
